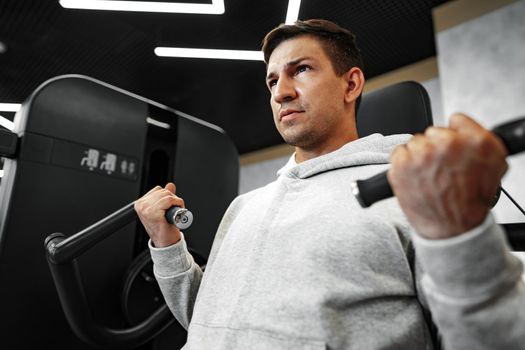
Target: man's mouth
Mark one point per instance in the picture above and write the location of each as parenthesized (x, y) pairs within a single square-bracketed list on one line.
[(288, 113)]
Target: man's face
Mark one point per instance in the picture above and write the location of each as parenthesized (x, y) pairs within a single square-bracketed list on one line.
[(307, 97)]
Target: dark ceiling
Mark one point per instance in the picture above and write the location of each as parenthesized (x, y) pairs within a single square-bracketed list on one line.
[(44, 40)]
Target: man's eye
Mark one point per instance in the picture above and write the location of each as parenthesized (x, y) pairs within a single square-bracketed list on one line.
[(272, 83), (302, 68)]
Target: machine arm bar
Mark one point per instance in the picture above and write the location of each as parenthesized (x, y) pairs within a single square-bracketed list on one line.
[(61, 253)]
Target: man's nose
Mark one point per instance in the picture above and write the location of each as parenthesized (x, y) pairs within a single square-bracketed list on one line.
[(284, 90)]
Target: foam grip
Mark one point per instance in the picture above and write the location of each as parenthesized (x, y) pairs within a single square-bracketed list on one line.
[(512, 134), (371, 190)]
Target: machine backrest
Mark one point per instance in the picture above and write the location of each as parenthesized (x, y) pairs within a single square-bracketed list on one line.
[(402, 108)]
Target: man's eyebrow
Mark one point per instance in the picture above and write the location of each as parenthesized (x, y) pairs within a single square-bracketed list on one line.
[(289, 64)]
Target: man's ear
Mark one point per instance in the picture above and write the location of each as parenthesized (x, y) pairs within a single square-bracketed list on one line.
[(355, 80)]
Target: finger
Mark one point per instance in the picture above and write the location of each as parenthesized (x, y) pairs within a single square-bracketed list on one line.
[(154, 196), (170, 186), (437, 132), (441, 138), (154, 189), (491, 142), (416, 140), (145, 198), (399, 157), (419, 144), (167, 202)]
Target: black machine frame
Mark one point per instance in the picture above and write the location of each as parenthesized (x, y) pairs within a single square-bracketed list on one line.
[(50, 186)]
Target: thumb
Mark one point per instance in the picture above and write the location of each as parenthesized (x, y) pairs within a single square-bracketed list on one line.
[(170, 186), (461, 122)]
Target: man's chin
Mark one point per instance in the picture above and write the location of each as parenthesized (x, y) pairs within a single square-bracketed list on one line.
[(297, 139)]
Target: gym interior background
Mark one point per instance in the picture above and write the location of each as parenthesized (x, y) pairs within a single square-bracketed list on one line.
[(443, 44), (468, 54)]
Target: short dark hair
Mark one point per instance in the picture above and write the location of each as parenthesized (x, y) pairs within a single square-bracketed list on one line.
[(339, 43)]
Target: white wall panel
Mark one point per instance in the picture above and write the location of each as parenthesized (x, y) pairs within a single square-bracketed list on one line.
[(482, 73)]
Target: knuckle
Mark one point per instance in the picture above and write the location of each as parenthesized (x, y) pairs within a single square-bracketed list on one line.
[(417, 139), (422, 151), (392, 176), (138, 206), (450, 143), (428, 153), (175, 199), (397, 154), (488, 141), (431, 130)]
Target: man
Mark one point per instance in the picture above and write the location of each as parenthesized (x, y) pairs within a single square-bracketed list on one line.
[(298, 264)]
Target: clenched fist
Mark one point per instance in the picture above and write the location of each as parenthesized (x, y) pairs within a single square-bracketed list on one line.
[(151, 209), (446, 179)]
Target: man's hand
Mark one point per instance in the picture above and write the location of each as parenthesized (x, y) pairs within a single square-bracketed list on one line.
[(446, 179), (151, 209)]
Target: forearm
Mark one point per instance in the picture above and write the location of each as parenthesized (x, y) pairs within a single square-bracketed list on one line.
[(474, 287), (179, 278)]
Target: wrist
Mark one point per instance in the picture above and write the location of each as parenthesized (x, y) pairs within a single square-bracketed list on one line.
[(165, 241), (450, 228)]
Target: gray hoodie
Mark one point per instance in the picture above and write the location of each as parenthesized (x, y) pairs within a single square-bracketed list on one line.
[(298, 264)]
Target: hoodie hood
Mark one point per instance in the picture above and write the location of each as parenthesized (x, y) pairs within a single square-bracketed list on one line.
[(372, 149)]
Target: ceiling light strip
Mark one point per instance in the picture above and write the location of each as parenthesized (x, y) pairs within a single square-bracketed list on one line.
[(9, 107), (292, 14), (209, 53), (215, 8)]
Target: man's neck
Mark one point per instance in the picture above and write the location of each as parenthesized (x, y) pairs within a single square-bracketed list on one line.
[(303, 154)]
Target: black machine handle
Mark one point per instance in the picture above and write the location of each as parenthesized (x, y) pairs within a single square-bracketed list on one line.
[(376, 188), (61, 254), (512, 134)]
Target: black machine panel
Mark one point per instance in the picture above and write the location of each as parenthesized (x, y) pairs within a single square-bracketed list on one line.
[(87, 149)]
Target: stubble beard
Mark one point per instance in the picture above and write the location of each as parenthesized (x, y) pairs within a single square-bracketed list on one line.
[(299, 134)]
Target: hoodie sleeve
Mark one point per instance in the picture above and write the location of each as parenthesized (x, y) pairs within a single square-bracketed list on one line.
[(178, 275), (179, 278), (474, 288)]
